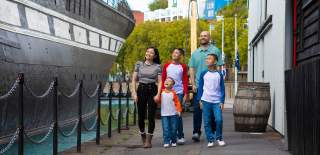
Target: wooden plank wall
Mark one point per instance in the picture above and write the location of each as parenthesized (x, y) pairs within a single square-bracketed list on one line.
[(303, 83), (308, 30), (303, 108)]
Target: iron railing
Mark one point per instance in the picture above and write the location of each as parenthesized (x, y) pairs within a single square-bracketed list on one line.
[(20, 134)]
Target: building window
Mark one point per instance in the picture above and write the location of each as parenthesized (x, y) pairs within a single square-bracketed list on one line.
[(174, 3), (210, 5), (210, 13)]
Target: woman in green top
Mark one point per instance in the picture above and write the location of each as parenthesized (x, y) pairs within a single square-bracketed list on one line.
[(148, 75)]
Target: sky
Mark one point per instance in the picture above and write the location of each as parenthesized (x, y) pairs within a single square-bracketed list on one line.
[(141, 5)]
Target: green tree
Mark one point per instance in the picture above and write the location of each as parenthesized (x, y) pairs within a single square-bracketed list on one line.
[(165, 36), (238, 7), (168, 35), (158, 4)]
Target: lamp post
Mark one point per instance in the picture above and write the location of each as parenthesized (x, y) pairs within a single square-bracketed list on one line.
[(222, 35)]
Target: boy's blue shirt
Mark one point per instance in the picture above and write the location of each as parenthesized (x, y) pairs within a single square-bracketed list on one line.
[(201, 83)]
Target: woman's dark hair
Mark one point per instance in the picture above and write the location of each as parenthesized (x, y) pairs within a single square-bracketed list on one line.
[(179, 49), (156, 58)]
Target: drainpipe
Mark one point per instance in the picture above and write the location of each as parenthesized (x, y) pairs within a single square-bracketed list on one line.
[(294, 33), (252, 63)]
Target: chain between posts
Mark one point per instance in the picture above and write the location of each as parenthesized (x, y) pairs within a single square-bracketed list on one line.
[(54, 128), (11, 142)]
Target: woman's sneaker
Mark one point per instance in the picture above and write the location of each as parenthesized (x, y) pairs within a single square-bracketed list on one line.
[(174, 144), (181, 141), (221, 143), (166, 145), (211, 144)]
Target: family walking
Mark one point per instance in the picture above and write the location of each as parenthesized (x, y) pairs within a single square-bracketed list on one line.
[(168, 88)]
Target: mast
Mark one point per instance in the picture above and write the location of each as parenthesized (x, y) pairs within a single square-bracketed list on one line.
[(193, 23)]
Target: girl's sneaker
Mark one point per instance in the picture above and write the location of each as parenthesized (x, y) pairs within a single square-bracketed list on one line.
[(174, 144), (211, 144), (166, 145), (221, 143)]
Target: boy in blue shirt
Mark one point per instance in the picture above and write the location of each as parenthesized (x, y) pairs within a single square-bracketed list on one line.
[(212, 95)]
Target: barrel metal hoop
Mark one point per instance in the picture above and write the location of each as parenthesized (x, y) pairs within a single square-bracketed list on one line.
[(251, 115), (254, 98)]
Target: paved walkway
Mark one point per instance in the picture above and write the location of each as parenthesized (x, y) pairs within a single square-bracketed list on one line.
[(238, 143)]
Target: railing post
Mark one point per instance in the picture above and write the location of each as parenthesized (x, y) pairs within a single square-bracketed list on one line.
[(128, 111), (119, 107), (79, 117), (55, 117), (99, 114), (21, 110), (110, 110)]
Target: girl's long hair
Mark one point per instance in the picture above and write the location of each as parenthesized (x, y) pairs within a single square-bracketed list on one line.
[(156, 58)]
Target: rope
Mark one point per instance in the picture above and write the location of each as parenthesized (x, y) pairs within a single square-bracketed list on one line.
[(11, 91), (10, 144), (71, 132), (76, 90), (44, 94), (93, 94), (42, 139), (92, 127)]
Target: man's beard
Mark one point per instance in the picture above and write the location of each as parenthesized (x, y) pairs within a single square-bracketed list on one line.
[(204, 43)]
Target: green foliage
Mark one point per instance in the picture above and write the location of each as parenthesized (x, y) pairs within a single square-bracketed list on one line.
[(165, 36), (239, 7), (158, 4), (168, 35)]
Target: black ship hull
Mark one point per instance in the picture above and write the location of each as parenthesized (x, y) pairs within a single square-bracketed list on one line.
[(42, 56)]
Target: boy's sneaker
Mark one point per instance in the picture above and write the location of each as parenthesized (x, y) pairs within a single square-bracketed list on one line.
[(211, 144), (181, 141), (166, 145), (174, 144), (221, 143), (196, 137)]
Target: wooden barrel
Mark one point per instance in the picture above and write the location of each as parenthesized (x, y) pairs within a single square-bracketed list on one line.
[(252, 107)]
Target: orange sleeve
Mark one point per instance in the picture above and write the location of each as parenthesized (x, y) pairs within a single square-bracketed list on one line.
[(176, 101)]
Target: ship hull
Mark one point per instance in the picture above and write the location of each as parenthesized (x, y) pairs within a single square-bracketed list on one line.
[(68, 47), (69, 64)]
